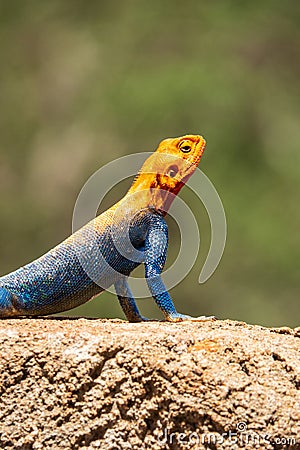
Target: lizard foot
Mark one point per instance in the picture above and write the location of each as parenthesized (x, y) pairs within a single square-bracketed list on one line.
[(184, 318), (142, 319)]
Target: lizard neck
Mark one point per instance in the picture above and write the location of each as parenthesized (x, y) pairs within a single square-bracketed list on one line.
[(148, 191)]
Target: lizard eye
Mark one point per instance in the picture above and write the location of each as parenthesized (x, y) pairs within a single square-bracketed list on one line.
[(172, 172), (185, 147)]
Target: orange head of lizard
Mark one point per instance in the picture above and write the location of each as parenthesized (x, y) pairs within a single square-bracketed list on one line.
[(166, 171)]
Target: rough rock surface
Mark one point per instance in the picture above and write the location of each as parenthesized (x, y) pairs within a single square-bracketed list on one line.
[(109, 384)]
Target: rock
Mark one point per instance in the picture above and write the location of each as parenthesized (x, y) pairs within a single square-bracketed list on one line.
[(109, 384)]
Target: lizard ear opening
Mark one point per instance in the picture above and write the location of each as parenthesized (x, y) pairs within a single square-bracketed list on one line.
[(172, 171), (185, 146)]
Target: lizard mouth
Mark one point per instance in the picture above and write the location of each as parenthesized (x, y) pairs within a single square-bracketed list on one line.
[(202, 145), (199, 150)]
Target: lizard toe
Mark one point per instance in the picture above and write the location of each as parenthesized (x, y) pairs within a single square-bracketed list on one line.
[(185, 318)]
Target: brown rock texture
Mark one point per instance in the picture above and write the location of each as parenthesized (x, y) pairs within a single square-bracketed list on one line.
[(109, 384)]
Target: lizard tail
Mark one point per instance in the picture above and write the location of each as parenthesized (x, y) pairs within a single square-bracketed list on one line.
[(7, 303)]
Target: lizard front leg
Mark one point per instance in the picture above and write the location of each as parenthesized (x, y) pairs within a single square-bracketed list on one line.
[(127, 301), (156, 245)]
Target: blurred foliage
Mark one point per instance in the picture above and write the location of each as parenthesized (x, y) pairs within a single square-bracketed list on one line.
[(84, 83)]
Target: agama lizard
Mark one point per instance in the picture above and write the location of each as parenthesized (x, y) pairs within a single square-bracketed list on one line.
[(106, 250)]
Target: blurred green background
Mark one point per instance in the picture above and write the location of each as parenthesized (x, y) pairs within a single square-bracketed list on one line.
[(82, 83)]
